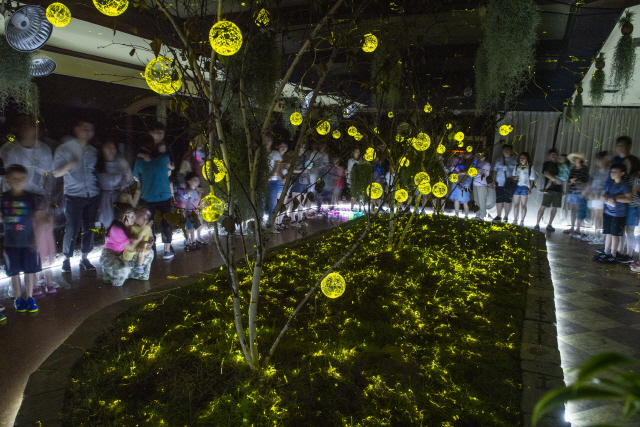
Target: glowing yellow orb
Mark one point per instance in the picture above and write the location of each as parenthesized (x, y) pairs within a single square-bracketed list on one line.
[(374, 190), (505, 130), (421, 142), (439, 189), (296, 119), (111, 7), (404, 162), (225, 38), (375, 130), (263, 18), (370, 43), (211, 208), (358, 136), (401, 196), (11, 137), (453, 177), (448, 125), (399, 138), (390, 114), (421, 177), (369, 154), (428, 108), (469, 148), (323, 127), (218, 176), (459, 136), (352, 131), (333, 285), (162, 76), (336, 134), (472, 172), (58, 14), (461, 144), (441, 149), (424, 187)]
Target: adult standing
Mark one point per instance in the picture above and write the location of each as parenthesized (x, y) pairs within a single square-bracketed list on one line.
[(76, 160), (552, 197), (114, 176), (505, 184), (624, 156), (481, 186), (155, 191)]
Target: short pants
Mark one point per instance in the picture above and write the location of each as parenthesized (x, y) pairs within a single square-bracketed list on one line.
[(552, 199), (521, 190), (633, 216), (21, 260), (504, 194), (596, 204), (613, 225)]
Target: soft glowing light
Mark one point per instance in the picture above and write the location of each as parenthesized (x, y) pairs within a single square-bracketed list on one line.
[(58, 14), (401, 196), (333, 285), (111, 7), (336, 134), (448, 125), (369, 154), (352, 131), (421, 177), (439, 189), (505, 130), (225, 38), (263, 18), (421, 142), (375, 130), (459, 136), (428, 108), (399, 138), (374, 190), (211, 208), (441, 149), (472, 172), (370, 43), (424, 187), (404, 162), (453, 177), (323, 127), (461, 144), (358, 136), (390, 114), (469, 148), (296, 119), (162, 77), (218, 176)]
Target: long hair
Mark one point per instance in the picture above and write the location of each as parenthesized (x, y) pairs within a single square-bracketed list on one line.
[(120, 210), (527, 155), (101, 163)]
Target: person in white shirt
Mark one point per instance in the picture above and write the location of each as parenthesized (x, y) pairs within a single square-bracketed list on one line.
[(505, 184), (481, 187), (525, 176)]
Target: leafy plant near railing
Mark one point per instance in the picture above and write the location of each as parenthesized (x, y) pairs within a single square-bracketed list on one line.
[(593, 384), (624, 56)]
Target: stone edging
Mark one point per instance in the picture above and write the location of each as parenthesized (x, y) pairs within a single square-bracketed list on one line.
[(539, 354)]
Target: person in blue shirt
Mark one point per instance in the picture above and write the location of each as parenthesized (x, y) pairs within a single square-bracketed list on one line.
[(155, 189), (617, 196)]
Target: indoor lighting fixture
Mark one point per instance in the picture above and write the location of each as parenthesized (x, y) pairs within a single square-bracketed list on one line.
[(28, 29), (41, 66)]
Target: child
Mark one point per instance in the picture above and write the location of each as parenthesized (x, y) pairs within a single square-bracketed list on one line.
[(20, 253), (141, 229), (526, 176), (45, 242), (617, 195), (190, 200)]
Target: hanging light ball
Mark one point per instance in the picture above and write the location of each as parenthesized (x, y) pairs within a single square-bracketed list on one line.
[(296, 119), (439, 189), (162, 77), (333, 285), (424, 187), (459, 136), (323, 127), (404, 162), (225, 38), (428, 108), (401, 196), (352, 131), (218, 176), (111, 7), (390, 114), (505, 130), (421, 142), (441, 149), (453, 177), (399, 138), (472, 172), (469, 148), (370, 43), (374, 190), (448, 125), (58, 14), (263, 18), (336, 134), (358, 136), (369, 154), (211, 208), (421, 177)]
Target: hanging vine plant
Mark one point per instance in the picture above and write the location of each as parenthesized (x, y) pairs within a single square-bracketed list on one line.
[(505, 58), (568, 112), (624, 56), (596, 86), (15, 82), (577, 103)]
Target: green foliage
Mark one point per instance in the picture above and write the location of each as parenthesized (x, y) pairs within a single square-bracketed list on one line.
[(428, 335), (506, 56), (386, 77), (361, 174), (594, 382), (624, 59), (596, 87), (15, 83)]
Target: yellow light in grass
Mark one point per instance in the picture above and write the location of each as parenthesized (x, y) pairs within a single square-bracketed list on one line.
[(404, 162), (370, 43), (390, 114), (401, 196), (333, 285), (424, 187), (296, 119), (358, 136), (472, 172), (225, 38), (448, 125), (469, 148), (369, 154), (505, 130), (439, 189), (211, 208), (421, 142), (58, 14), (336, 134), (263, 18), (352, 131), (162, 76), (459, 136), (111, 7), (374, 190), (323, 127), (428, 108), (441, 149), (453, 177), (421, 177)]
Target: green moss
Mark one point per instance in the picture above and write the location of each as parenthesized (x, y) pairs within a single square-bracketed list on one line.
[(596, 87), (15, 83), (425, 336)]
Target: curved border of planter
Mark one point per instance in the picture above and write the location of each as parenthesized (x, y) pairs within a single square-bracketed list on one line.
[(539, 354)]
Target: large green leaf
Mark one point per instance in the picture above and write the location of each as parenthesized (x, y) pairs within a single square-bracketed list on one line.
[(601, 362), (565, 394)]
